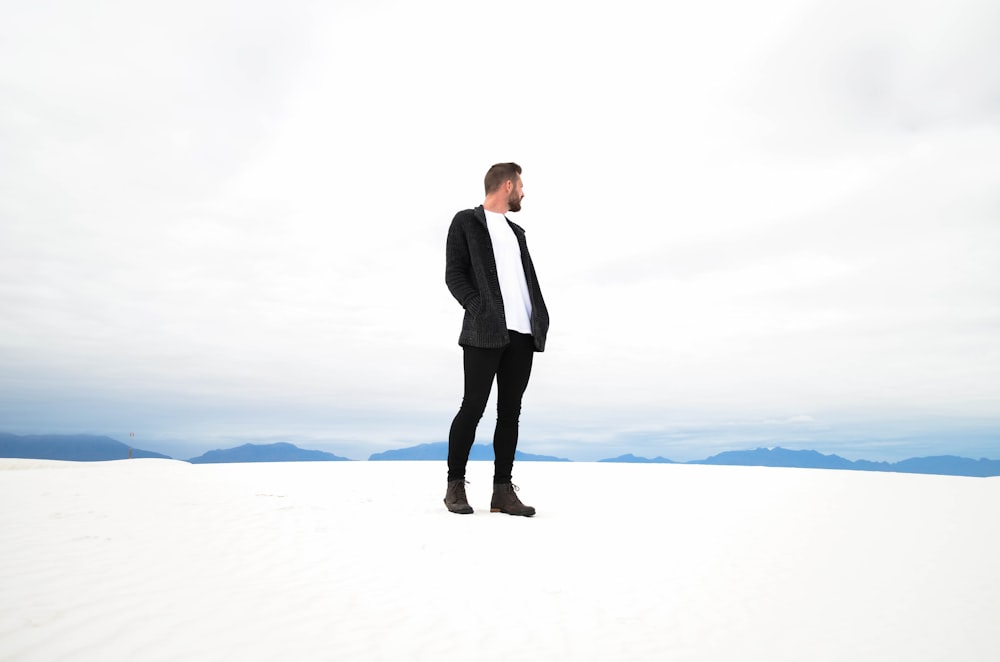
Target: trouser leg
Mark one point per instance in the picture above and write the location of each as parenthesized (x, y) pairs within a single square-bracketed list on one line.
[(480, 369), (513, 372)]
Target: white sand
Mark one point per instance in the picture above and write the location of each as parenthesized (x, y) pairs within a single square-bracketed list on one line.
[(162, 560)]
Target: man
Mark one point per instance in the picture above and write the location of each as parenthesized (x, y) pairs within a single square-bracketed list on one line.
[(489, 272)]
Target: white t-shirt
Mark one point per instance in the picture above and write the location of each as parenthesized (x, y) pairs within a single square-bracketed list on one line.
[(510, 271)]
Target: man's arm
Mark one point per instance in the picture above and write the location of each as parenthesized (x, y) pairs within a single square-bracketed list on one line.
[(458, 267)]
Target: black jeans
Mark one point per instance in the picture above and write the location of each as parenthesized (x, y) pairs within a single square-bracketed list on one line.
[(511, 366)]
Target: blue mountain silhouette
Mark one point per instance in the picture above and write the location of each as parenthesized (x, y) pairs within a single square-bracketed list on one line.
[(89, 448), (629, 458), (438, 450), (947, 465), (278, 452), (78, 447)]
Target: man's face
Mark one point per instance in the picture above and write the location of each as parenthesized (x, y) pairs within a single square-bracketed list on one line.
[(516, 195)]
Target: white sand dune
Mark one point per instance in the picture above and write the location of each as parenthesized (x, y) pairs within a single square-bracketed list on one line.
[(163, 560)]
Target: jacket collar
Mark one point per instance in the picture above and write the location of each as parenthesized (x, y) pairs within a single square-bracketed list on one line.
[(480, 215)]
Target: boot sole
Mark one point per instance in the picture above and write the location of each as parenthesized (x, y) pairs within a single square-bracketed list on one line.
[(500, 510)]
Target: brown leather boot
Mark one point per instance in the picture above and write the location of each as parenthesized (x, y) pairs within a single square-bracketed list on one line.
[(505, 501), (455, 498)]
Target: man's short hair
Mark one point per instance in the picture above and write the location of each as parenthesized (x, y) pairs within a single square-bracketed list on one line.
[(498, 174)]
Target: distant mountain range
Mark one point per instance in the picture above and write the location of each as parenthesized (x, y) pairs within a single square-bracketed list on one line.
[(948, 465), (439, 451), (279, 452), (633, 459), (89, 448), (80, 447)]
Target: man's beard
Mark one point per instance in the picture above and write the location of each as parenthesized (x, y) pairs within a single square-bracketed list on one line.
[(514, 202)]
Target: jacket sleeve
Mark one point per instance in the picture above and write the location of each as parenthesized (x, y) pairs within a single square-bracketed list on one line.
[(458, 267)]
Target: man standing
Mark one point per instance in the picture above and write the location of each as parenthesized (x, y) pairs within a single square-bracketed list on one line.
[(489, 272)]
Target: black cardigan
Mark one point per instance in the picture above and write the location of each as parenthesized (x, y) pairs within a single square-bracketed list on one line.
[(471, 275)]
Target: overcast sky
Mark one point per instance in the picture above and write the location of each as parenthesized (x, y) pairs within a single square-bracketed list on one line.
[(755, 224)]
